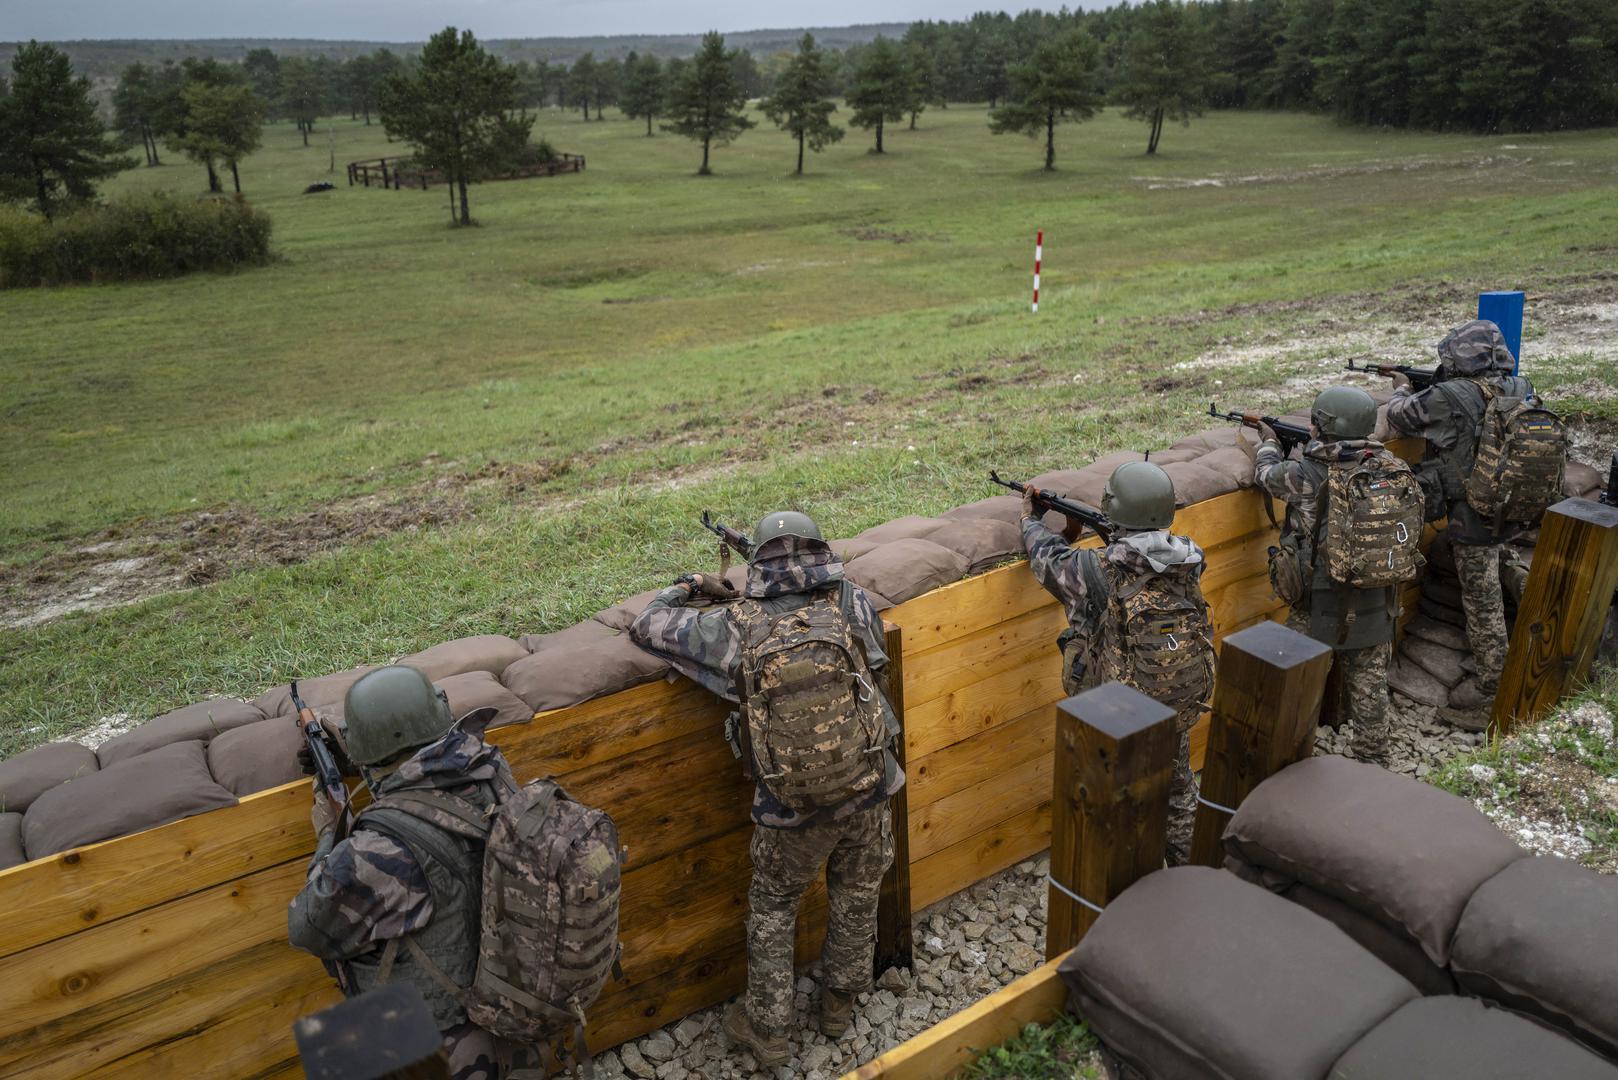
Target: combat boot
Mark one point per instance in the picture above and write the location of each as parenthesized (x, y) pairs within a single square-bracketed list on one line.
[(767, 1050), (836, 1012), (1468, 706)]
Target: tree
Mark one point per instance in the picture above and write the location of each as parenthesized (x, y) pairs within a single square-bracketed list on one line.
[(581, 81), (222, 123), (1057, 83), (644, 88), (923, 75), (1164, 71), (453, 109), (993, 69), (263, 70), (800, 104), (303, 93), (883, 90), (706, 101), (609, 83), (53, 146), (135, 108)]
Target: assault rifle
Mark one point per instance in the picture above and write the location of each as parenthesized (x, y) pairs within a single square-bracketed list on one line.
[(729, 540), (330, 779), (1420, 378), (1291, 435), (1094, 520)]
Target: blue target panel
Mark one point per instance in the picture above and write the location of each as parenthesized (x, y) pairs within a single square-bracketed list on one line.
[(1504, 309)]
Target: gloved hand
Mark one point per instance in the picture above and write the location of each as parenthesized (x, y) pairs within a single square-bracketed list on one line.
[(1267, 433), (322, 815), (306, 761), (714, 587), (1401, 381), (1029, 493)]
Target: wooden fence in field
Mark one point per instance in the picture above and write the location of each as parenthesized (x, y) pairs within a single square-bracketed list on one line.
[(164, 953), (398, 172)]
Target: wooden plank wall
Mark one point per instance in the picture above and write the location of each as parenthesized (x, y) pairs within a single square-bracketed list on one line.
[(164, 953)]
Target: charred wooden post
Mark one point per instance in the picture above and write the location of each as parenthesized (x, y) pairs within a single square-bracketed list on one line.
[(1562, 613), (894, 944), (1267, 701), (1115, 751), (385, 1034)]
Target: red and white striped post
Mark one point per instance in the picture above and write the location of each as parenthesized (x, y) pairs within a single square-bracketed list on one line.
[(1039, 251)]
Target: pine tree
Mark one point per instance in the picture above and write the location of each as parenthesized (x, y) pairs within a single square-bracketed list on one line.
[(223, 123), (1056, 84), (644, 88), (303, 93), (1164, 70), (883, 90), (800, 105), (706, 101), (53, 146), (581, 82), (134, 108)]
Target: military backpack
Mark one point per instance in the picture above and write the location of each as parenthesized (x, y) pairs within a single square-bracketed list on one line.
[(548, 916), (811, 715), (1375, 510), (1153, 634), (1521, 456)]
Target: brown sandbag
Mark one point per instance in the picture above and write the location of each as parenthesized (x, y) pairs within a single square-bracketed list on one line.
[(1232, 463), (849, 550), (566, 675), (1165, 457), (583, 633), (1439, 633), (1441, 663), (1459, 1038), (485, 652), (906, 568), (1580, 481), (325, 690), (911, 527), (11, 850), (1251, 987), (1194, 483), (474, 690), (26, 776), (623, 613), (203, 720), (1541, 936), (1081, 485), (142, 792), (1391, 847), (1206, 442), (1434, 610), (1007, 508), (263, 755), (983, 542)]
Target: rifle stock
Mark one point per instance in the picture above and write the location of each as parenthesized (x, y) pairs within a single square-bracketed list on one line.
[(1290, 435), (1094, 520)]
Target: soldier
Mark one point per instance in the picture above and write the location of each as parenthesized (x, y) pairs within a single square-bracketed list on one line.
[(800, 654), (1358, 623), (1476, 367), (1135, 613), (396, 876)]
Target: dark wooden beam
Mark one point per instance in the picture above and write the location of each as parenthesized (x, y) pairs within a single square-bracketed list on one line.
[(894, 941)]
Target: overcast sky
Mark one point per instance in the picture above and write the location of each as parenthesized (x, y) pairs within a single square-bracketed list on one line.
[(414, 20)]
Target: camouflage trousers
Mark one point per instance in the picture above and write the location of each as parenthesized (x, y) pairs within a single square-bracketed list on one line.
[(1182, 793), (1362, 689), (1479, 567), (471, 1053), (856, 852)]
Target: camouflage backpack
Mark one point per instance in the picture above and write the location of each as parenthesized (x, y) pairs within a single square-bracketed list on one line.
[(1156, 635), (812, 716), (1375, 510), (1521, 455), (548, 921)]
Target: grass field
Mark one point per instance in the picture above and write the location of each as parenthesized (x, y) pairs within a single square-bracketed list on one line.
[(402, 432)]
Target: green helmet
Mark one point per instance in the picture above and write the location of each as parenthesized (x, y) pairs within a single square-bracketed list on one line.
[(785, 523), (391, 709), (1344, 412), (1139, 495)]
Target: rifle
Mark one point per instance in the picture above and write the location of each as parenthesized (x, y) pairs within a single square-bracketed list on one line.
[(1094, 520), (1291, 435), (330, 779), (729, 540), (1610, 495), (1420, 378)]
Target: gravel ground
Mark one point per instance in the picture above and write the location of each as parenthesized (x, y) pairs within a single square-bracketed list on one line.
[(966, 947), (1421, 741)]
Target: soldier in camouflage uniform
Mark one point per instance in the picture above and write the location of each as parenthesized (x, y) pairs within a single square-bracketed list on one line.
[(1139, 500), (1358, 624), (372, 888), (853, 841), (1448, 414)]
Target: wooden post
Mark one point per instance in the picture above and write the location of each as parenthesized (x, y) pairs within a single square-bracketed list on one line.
[(1563, 609), (894, 941), (1115, 752), (384, 1034), (1267, 700)]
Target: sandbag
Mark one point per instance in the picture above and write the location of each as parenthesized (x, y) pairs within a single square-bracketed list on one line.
[(1457, 1038), (1234, 464), (1441, 557), (620, 615), (263, 755), (1443, 589), (325, 690), (202, 720), (910, 527), (11, 850), (473, 690), (1379, 939), (1439, 633), (25, 776), (1415, 683), (1206, 442), (587, 632), (1194, 482), (485, 652), (1394, 848), (1080, 485), (906, 568), (1191, 974), (142, 792), (1438, 612), (1007, 508), (1441, 663), (566, 675), (1541, 936), (848, 550), (983, 542), (1580, 481)]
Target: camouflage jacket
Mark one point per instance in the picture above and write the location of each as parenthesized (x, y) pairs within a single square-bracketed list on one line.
[(705, 645), (1449, 416), (1301, 484), (369, 888), (1074, 575)]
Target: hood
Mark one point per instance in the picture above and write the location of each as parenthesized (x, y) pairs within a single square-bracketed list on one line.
[(456, 758), (791, 564), (1342, 450), (1160, 550), (1475, 348)]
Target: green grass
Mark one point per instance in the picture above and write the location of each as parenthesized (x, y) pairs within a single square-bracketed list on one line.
[(1061, 1050), (660, 342)]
